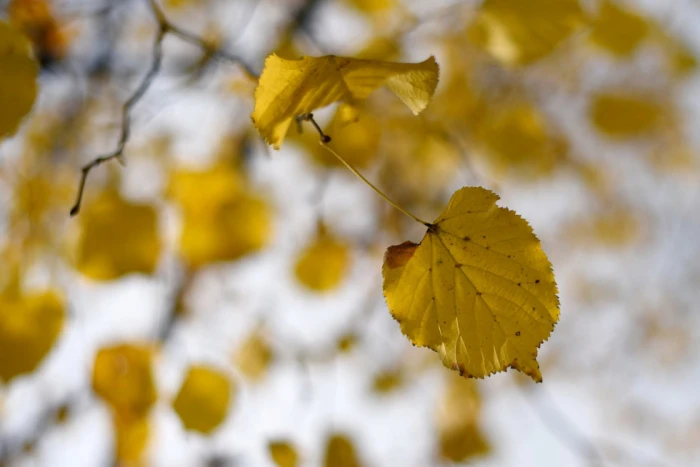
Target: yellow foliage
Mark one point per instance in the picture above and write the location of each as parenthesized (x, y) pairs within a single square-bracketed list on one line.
[(18, 87), (518, 32), (222, 219), (118, 238), (288, 88), (387, 381), (204, 399), (518, 136), (372, 6), (283, 453), (122, 376), (478, 289), (29, 327), (618, 31), (625, 115), (323, 263), (132, 434), (457, 420), (340, 452), (254, 357), (36, 19)]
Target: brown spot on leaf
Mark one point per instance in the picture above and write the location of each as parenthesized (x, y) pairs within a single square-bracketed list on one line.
[(398, 255), (517, 333)]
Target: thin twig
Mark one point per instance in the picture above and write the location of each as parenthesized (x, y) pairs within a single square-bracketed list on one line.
[(126, 118)]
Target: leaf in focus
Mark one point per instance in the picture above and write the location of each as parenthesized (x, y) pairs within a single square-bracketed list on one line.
[(118, 238), (288, 88), (324, 263), (204, 399), (518, 32), (283, 453), (622, 116), (340, 452), (478, 289), (618, 31), (29, 327), (122, 376), (458, 421), (18, 86), (254, 357), (223, 219)]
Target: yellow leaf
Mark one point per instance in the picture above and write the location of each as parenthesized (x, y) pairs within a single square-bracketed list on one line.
[(254, 357), (204, 399), (617, 30), (118, 238), (323, 264), (122, 377), (340, 452), (288, 88), (478, 289), (625, 115), (223, 220), (283, 453), (132, 434), (519, 32), (387, 381), (18, 86), (457, 419), (29, 327)]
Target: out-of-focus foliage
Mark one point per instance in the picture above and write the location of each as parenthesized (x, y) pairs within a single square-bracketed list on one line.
[(458, 421), (118, 238), (254, 356), (283, 454), (30, 323), (18, 79), (204, 399), (478, 289), (122, 376), (520, 33), (323, 263), (222, 218), (340, 452)]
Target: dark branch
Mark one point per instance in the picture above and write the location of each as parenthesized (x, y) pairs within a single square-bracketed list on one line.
[(310, 118)]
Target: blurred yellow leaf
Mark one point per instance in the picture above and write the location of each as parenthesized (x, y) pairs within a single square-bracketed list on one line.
[(204, 399), (518, 136), (29, 327), (387, 381), (254, 356), (518, 32), (458, 423), (346, 343), (283, 453), (132, 433), (618, 31), (122, 376), (625, 115), (340, 452), (372, 6), (478, 289), (288, 88), (118, 238), (223, 220), (324, 263), (37, 20), (18, 87)]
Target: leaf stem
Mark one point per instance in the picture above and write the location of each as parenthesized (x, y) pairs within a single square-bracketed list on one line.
[(376, 190)]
